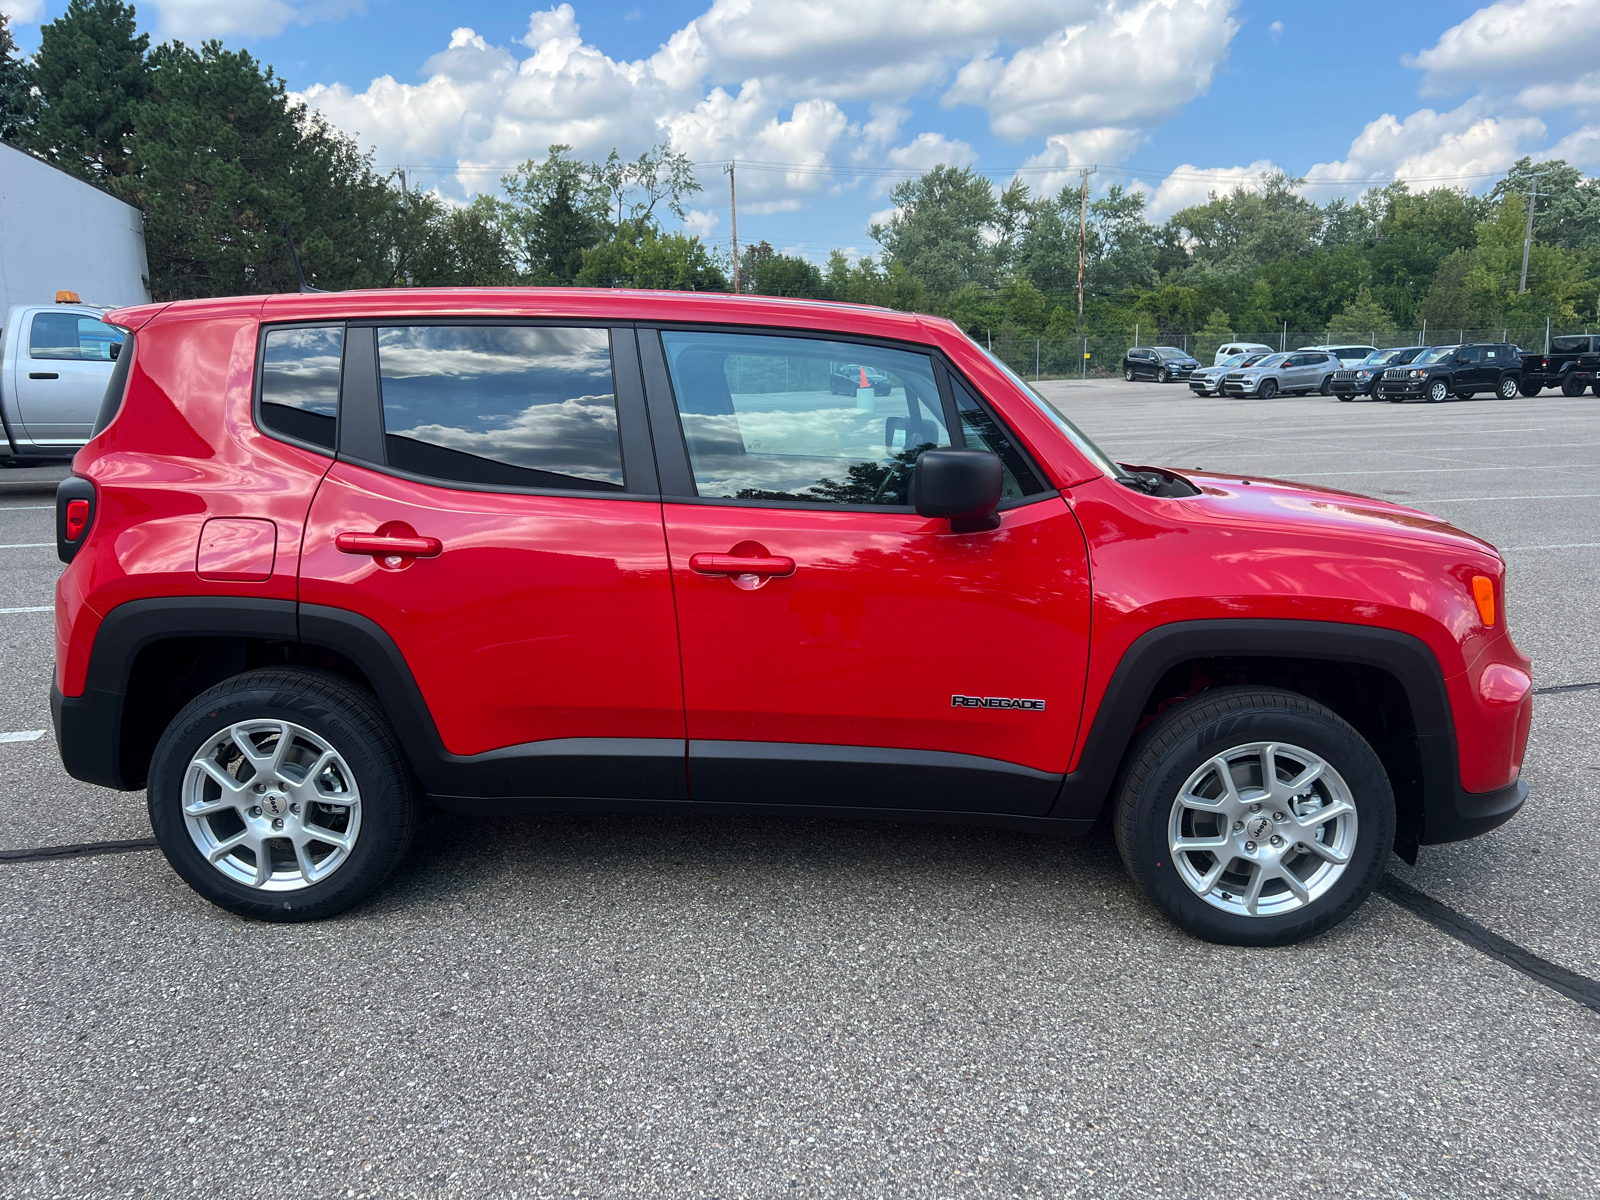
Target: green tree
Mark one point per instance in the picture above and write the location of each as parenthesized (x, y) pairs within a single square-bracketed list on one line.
[(91, 74), (1363, 317), (1211, 336), (1567, 213), (556, 210), (1238, 233), (641, 256), (941, 232), (787, 275), (976, 309), (465, 246), (1027, 311), (220, 162), (13, 87)]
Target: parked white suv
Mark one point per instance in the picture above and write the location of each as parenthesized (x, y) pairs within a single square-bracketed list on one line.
[(55, 362), (1347, 355), (1230, 349)]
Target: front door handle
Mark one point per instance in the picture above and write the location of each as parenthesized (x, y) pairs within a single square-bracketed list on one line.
[(383, 544), (767, 566), (43, 375)]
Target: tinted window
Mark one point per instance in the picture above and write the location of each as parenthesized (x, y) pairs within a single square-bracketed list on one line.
[(67, 335), (772, 418), (524, 406), (1564, 345), (1470, 354), (984, 432), (300, 382)]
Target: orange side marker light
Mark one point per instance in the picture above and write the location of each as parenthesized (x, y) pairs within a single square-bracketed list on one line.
[(1483, 593)]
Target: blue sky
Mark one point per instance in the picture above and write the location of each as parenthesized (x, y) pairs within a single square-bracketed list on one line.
[(1176, 97)]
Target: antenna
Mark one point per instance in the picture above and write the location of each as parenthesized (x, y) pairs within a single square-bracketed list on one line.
[(304, 286)]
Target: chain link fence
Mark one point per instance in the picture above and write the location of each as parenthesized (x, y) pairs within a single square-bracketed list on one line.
[(1097, 354)]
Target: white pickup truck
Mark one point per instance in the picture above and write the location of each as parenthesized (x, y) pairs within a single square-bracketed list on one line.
[(55, 362)]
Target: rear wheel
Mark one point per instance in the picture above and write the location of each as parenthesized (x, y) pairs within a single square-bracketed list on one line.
[(1438, 391), (1571, 386), (1268, 389), (282, 795), (1508, 388), (1254, 816), (1529, 389)]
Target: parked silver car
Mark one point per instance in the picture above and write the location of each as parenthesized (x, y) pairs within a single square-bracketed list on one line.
[(1208, 382), (1298, 372), (55, 362)]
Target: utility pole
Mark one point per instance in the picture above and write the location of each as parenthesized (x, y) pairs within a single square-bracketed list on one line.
[(733, 212), (1527, 241), (1083, 229)]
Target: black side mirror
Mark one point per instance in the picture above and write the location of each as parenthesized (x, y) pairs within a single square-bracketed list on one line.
[(963, 485)]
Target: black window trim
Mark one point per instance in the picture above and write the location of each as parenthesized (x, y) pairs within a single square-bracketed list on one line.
[(945, 371), (361, 438), (672, 452), (259, 379)]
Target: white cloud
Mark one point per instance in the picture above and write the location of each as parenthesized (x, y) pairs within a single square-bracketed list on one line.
[(195, 20), (1509, 42), (22, 12), (699, 223), (1580, 147), (1065, 153), (1191, 185), (1429, 149), (1276, 30), (1127, 65)]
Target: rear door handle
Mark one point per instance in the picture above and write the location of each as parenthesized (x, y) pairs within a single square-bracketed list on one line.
[(377, 543), (43, 375), (774, 566)]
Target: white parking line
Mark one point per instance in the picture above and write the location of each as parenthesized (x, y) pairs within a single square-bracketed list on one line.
[(25, 507), (1478, 499), (27, 545), (1558, 546), (41, 608), (23, 735)]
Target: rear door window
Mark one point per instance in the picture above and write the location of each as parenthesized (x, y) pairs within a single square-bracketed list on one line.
[(513, 405), (300, 383), (68, 336), (769, 418)]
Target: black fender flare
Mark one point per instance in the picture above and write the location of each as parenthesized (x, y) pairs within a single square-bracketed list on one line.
[(1449, 813)]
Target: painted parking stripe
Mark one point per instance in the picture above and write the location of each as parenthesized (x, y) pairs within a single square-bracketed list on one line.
[(41, 608), (23, 735), (1559, 546), (1483, 499), (27, 545)]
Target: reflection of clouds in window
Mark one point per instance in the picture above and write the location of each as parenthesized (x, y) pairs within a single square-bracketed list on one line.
[(300, 369), (575, 437), (474, 352)]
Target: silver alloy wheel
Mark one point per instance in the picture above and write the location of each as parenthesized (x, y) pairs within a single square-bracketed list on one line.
[(1508, 388), (271, 805), (1262, 829), (1438, 390)]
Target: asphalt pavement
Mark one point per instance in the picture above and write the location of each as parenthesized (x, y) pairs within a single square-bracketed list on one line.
[(620, 1006)]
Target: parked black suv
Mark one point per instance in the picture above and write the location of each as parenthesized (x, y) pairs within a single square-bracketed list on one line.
[(1161, 363), (1443, 371), (1361, 379), (1570, 365)]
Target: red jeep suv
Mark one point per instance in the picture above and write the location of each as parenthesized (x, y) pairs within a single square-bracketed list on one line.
[(333, 557)]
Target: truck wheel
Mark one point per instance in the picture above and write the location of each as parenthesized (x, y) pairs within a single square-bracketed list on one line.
[(1438, 391), (282, 794), (1508, 388), (1268, 389), (1254, 816), (1571, 386), (1529, 389)]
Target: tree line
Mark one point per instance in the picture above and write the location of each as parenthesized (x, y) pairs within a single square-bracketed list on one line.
[(207, 143)]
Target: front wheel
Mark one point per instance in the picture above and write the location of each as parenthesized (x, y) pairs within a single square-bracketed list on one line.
[(1254, 816), (1508, 388), (282, 795), (1268, 389), (1438, 391), (1529, 389), (1327, 387), (1161, 375)]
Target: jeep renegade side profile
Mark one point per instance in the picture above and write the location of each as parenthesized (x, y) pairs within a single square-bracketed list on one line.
[(332, 557)]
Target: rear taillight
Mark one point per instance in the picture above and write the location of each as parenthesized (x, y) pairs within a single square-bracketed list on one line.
[(77, 519), (74, 515)]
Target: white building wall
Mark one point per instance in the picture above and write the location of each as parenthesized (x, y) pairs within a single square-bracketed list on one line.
[(57, 232)]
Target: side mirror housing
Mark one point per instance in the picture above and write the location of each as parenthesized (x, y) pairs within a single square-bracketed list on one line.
[(963, 485)]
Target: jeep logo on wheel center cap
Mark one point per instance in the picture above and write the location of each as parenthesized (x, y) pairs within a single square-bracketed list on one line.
[(1257, 828), (275, 804)]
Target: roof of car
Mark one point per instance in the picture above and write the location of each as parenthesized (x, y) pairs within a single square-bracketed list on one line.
[(628, 304)]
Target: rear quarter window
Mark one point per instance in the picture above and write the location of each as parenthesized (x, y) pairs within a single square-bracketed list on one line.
[(300, 383)]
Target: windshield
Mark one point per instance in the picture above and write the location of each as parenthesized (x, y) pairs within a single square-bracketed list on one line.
[(1075, 435), (1382, 358), (1170, 352), (1435, 354), (1238, 360), (1272, 360)]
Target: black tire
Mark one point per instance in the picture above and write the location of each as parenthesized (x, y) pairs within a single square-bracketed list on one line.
[(1347, 399), (1182, 741), (1397, 399), (1161, 375), (1594, 388), (1267, 389), (1508, 388), (1571, 386), (1327, 387), (1528, 389), (1127, 373), (348, 719), (1438, 391)]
